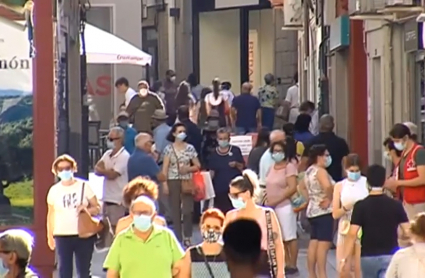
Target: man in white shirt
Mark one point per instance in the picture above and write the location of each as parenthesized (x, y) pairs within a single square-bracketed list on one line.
[(292, 100), (123, 88), (113, 167), (308, 107), (266, 161)]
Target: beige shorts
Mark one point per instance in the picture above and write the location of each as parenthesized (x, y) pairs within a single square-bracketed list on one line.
[(114, 212), (413, 210)]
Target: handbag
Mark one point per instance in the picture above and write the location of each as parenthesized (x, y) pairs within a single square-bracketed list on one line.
[(200, 191), (207, 264), (188, 187), (271, 252), (87, 224)]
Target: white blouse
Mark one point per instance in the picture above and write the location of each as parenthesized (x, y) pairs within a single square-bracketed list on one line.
[(408, 263)]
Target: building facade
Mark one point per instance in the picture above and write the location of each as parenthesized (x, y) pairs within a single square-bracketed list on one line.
[(123, 19), (237, 41)]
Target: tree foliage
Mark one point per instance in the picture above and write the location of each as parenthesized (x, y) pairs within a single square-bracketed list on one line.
[(16, 143)]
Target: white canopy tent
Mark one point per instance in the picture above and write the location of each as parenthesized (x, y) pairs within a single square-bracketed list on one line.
[(105, 48)]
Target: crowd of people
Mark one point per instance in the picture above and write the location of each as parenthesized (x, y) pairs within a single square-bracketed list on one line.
[(299, 177)]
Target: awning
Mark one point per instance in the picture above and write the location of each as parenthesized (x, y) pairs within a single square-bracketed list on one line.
[(105, 48)]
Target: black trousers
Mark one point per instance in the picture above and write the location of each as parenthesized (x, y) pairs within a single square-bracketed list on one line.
[(222, 202)]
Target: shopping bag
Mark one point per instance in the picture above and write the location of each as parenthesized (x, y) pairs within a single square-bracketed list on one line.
[(209, 188), (198, 182)]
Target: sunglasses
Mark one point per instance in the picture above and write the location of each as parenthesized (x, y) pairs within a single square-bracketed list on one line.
[(236, 195), (67, 168), (113, 139)]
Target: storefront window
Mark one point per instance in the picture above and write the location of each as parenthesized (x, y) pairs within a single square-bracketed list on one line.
[(16, 126)]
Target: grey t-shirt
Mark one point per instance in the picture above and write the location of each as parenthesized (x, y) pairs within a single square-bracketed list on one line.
[(254, 158)]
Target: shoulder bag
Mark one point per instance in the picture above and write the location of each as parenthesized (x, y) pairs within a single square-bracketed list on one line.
[(188, 187), (87, 224), (207, 264), (271, 252)]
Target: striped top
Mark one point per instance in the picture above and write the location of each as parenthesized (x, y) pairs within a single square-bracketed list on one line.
[(216, 262)]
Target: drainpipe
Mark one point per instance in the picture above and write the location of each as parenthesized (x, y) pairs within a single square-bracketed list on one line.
[(306, 33), (171, 4)]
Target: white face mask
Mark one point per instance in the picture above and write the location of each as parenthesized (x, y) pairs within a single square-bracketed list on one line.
[(143, 92), (173, 78)]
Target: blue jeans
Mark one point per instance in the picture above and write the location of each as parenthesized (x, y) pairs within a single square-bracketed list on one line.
[(267, 117), (375, 267), (82, 248), (245, 130)]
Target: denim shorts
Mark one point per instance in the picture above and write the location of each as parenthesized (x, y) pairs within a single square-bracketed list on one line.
[(375, 267), (322, 227)]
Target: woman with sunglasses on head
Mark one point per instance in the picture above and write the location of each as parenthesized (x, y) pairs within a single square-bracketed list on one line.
[(65, 201), (138, 187), (346, 193), (206, 259), (180, 162), (317, 188), (241, 194)]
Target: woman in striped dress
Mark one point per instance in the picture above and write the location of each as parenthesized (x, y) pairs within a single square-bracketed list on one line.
[(206, 259)]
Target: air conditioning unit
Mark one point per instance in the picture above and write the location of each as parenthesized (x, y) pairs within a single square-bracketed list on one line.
[(391, 3)]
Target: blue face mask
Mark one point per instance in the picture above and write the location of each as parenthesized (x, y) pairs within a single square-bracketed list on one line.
[(278, 157), (123, 124), (238, 203), (328, 161), (142, 222), (181, 136), (65, 175), (223, 143), (354, 176), (3, 269)]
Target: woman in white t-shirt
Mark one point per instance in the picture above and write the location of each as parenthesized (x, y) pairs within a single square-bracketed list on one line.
[(65, 200)]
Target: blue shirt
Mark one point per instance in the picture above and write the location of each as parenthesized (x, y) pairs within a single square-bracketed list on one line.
[(266, 163), (142, 164), (160, 137), (130, 134), (223, 173), (303, 137), (246, 106)]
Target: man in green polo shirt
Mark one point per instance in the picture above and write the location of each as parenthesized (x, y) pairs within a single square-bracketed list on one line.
[(144, 249)]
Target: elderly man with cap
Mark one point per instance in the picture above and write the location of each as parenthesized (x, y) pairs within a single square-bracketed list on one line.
[(145, 249), (142, 107), (15, 254), (413, 131), (160, 130), (129, 132)]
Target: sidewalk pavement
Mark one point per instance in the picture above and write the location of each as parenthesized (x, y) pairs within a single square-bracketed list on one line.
[(98, 259)]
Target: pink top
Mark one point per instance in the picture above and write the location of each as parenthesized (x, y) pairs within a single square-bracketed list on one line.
[(276, 181), (263, 225)]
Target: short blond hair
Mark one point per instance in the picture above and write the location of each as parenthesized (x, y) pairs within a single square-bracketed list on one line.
[(64, 157)]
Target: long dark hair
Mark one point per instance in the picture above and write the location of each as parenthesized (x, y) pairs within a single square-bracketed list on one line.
[(216, 87), (289, 148), (263, 138), (314, 152), (170, 137), (182, 96), (302, 124)]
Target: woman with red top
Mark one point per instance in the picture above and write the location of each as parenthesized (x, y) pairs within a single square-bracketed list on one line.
[(410, 171)]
